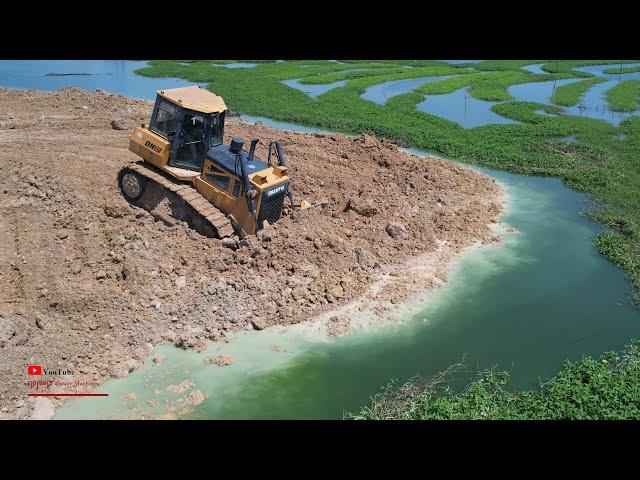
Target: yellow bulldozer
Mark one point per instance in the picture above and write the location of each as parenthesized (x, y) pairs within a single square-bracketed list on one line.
[(217, 189)]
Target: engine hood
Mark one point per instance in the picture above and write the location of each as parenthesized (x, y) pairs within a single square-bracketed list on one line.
[(225, 158)]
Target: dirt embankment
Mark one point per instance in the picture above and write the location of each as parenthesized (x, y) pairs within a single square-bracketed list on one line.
[(91, 284)]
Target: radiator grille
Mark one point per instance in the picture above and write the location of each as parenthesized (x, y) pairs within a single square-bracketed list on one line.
[(271, 208)]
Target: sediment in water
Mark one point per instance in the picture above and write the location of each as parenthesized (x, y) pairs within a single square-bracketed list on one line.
[(92, 285)]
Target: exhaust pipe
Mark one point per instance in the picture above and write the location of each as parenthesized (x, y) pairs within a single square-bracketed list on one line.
[(283, 163), (252, 148)]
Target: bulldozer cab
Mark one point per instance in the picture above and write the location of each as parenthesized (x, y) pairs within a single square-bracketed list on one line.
[(192, 120)]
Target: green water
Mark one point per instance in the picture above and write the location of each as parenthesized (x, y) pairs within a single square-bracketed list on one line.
[(544, 295)]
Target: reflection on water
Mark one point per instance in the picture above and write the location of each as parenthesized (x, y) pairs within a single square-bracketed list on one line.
[(593, 104), (462, 108), (540, 92), (384, 91)]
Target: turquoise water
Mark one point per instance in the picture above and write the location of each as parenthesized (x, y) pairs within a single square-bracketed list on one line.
[(544, 295)]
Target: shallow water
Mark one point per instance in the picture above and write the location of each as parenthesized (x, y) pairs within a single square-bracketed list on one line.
[(540, 297), (384, 91), (462, 108), (539, 92), (535, 68), (314, 91), (593, 103)]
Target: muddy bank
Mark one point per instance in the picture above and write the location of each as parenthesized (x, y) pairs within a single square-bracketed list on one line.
[(90, 284)]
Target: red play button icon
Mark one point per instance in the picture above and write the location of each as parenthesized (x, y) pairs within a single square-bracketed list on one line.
[(34, 370)]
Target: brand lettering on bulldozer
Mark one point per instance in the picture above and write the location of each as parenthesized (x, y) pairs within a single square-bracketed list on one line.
[(279, 189), (153, 146)]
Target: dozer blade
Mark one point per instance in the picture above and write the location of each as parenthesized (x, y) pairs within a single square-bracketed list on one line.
[(160, 191)]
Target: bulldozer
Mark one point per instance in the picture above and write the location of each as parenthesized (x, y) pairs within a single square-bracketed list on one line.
[(217, 189)]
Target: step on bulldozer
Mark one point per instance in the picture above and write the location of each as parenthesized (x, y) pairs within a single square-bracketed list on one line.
[(186, 168)]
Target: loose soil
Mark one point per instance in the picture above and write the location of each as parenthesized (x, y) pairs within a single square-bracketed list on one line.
[(90, 284)]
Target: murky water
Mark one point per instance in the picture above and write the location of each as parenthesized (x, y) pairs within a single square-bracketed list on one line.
[(384, 91), (462, 108)]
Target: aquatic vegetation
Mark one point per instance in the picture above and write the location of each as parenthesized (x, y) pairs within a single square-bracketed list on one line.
[(588, 389), (621, 70), (624, 96), (600, 164), (570, 94)]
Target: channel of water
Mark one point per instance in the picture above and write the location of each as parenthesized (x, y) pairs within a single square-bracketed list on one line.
[(541, 296)]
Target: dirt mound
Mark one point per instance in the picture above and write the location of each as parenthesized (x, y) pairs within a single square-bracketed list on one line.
[(91, 284)]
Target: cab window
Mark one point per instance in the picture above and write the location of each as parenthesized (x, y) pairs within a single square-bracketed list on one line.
[(167, 118), (236, 188), (219, 181)]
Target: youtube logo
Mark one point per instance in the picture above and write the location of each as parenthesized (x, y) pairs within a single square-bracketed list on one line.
[(34, 369)]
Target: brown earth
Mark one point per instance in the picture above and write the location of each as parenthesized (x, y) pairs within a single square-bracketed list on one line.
[(92, 285)]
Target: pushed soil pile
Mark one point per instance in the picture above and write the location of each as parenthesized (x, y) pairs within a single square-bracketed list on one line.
[(90, 284)]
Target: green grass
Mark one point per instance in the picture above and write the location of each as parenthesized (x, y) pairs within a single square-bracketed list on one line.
[(605, 388), (570, 94), (624, 96), (619, 69), (600, 164)]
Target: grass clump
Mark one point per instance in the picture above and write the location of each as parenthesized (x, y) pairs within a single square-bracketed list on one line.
[(621, 69), (624, 96), (604, 388), (570, 94)]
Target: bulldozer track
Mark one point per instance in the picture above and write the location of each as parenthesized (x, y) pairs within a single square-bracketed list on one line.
[(200, 205)]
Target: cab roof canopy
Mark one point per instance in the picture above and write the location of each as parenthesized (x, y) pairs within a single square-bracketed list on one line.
[(194, 98)]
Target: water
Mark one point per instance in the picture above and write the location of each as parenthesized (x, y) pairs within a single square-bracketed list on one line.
[(236, 65), (293, 127), (593, 103), (314, 91), (539, 92), (535, 68), (115, 76), (462, 108), (542, 296), (384, 91)]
